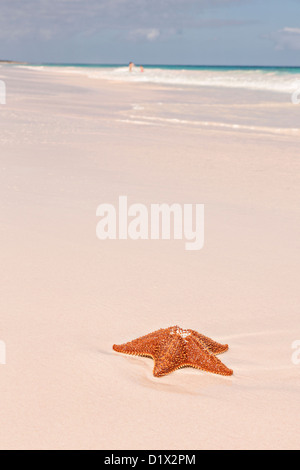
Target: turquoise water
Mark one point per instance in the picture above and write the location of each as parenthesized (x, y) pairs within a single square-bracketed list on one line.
[(275, 79), (292, 70)]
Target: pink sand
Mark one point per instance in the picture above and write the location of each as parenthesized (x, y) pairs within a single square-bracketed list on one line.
[(68, 144)]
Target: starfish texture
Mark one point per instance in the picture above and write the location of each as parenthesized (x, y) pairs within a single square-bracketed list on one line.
[(173, 348)]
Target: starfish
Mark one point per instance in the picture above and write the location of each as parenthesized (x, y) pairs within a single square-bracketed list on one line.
[(173, 348)]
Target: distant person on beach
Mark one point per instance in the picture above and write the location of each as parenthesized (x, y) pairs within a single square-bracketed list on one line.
[(131, 67)]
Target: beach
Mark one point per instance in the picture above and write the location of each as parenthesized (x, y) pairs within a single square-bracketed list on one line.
[(70, 142)]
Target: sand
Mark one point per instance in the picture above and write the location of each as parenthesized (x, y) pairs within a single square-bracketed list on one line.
[(68, 144)]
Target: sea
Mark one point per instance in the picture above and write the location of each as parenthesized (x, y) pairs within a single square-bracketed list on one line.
[(275, 79)]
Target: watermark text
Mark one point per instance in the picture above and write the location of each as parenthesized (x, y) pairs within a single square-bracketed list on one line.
[(2, 353), (157, 222), (296, 354), (2, 92), (296, 94)]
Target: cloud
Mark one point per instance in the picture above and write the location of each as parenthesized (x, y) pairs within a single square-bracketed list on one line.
[(286, 38), (143, 19), (291, 30), (148, 34)]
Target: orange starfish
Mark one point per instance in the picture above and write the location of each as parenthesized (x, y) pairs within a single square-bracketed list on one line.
[(173, 348)]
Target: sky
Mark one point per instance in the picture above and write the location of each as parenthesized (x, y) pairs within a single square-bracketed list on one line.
[(187, 32)]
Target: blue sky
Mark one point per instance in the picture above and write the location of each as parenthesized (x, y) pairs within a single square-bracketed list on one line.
[(210, 32)]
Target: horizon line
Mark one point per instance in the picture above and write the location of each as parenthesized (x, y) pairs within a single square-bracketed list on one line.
[(115, 64)]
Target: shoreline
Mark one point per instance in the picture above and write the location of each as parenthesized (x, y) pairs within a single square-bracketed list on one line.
[(12, 62), (192, 78)]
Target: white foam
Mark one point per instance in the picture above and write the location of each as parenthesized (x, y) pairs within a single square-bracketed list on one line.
[(252, 79), (264, 129)]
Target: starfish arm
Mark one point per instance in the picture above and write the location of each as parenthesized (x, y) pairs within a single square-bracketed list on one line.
[(210, 344), (201, 358), (170, 356), (144, 346)]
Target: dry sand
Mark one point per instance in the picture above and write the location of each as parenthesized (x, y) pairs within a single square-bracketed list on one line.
[(68, 144)]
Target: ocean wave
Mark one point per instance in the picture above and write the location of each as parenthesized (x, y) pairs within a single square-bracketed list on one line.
[(263, 79), (158, 121)]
